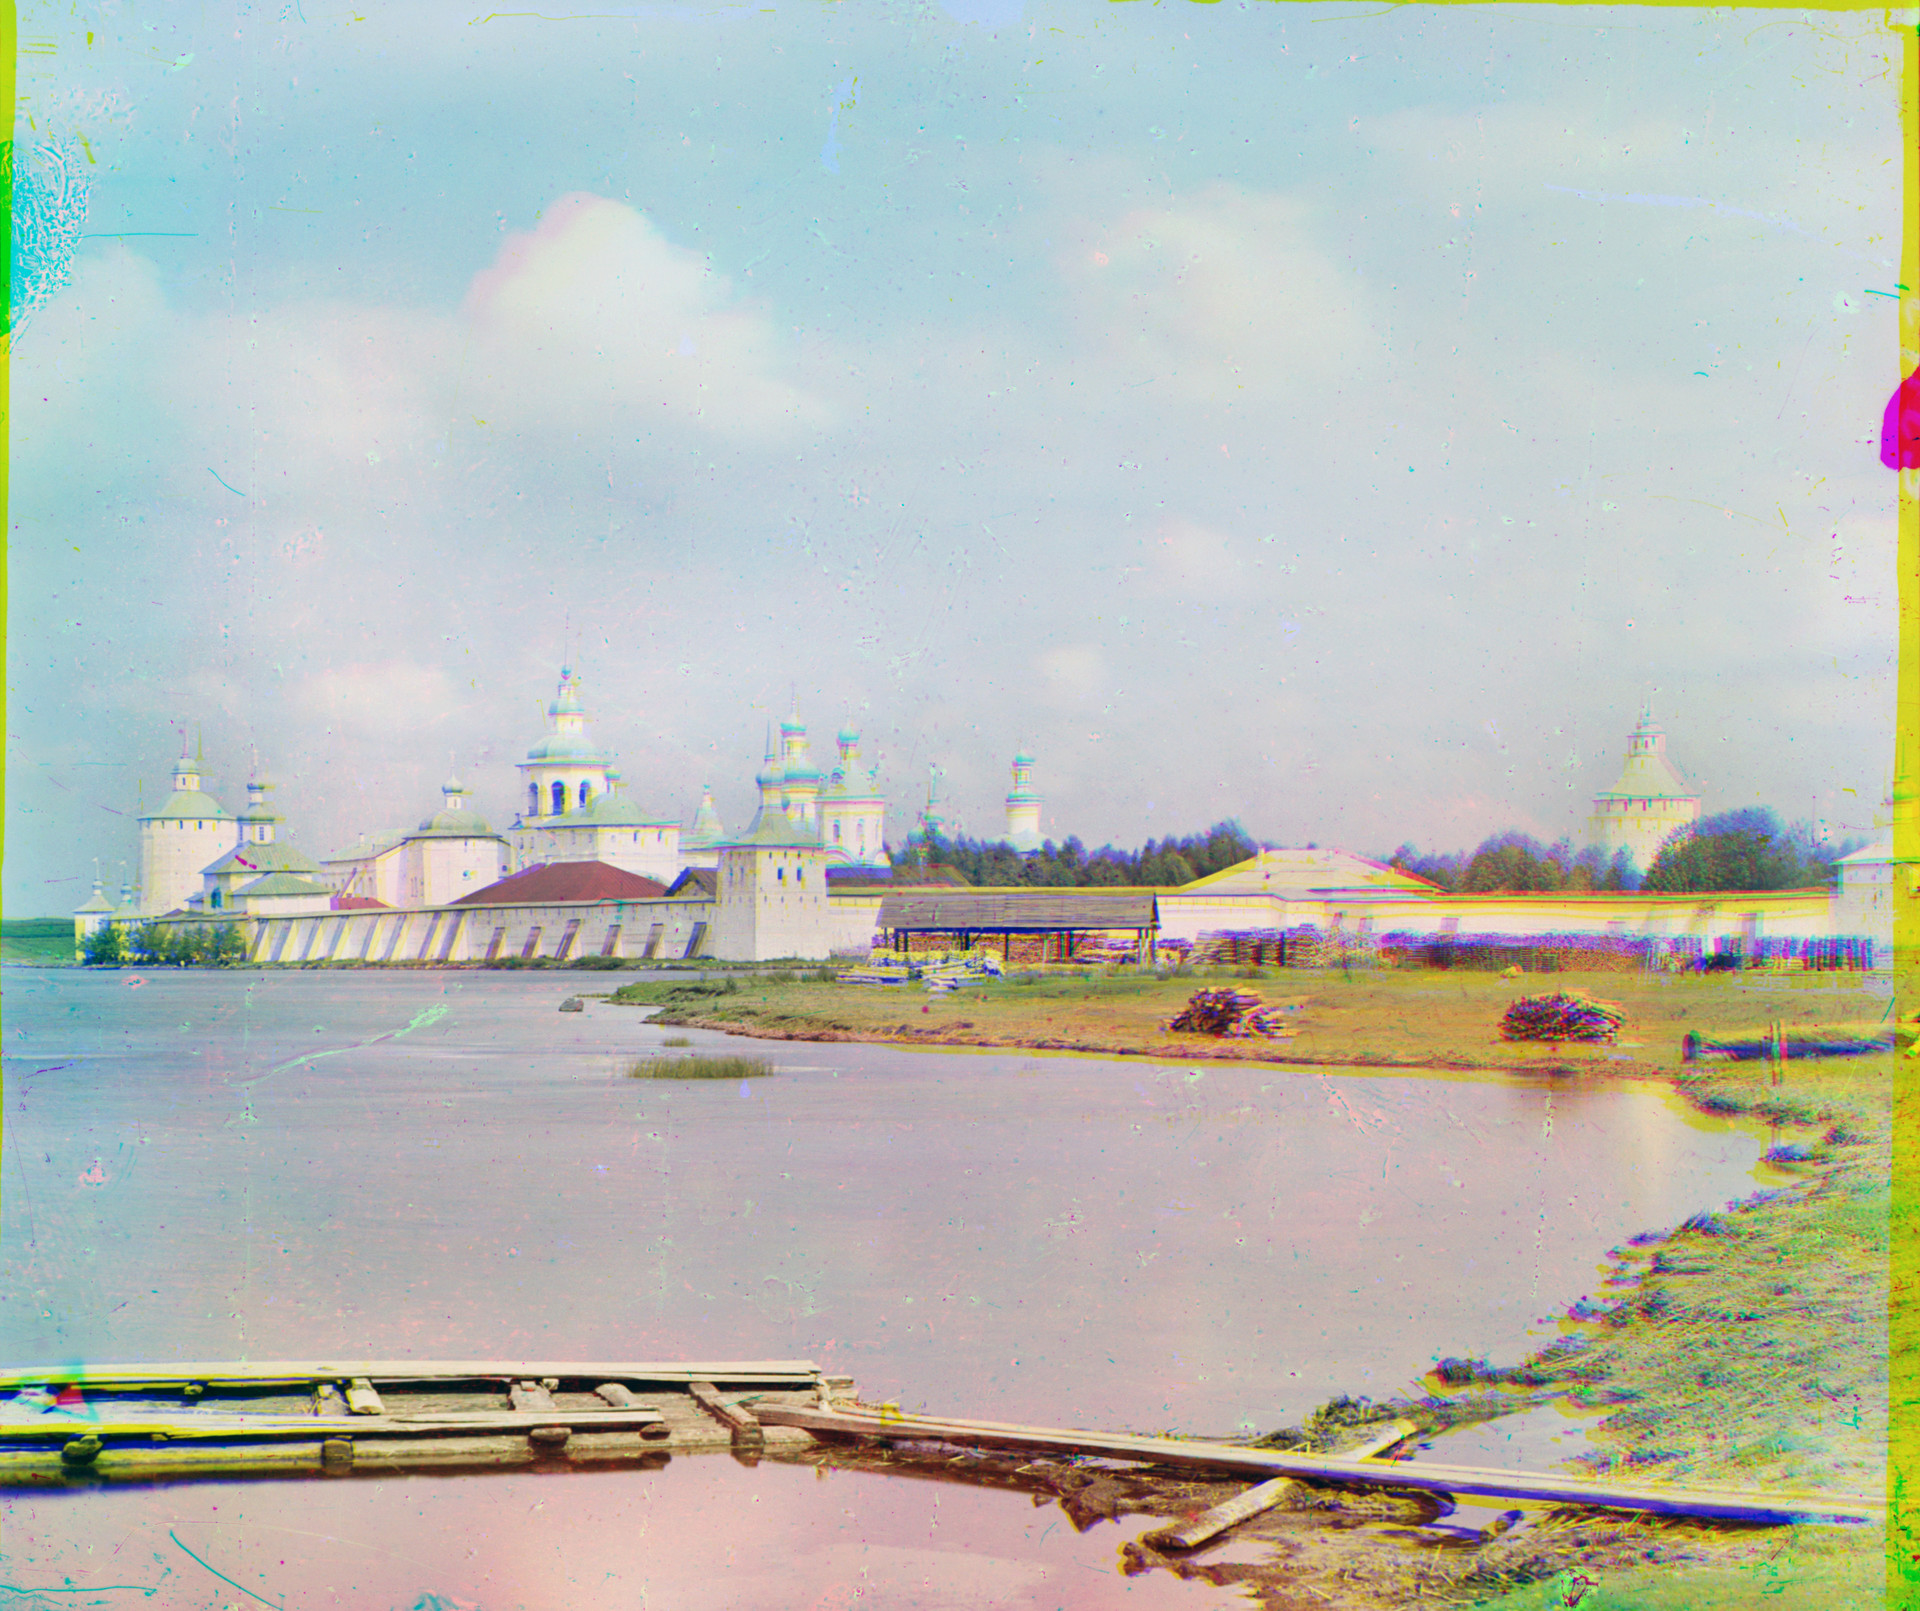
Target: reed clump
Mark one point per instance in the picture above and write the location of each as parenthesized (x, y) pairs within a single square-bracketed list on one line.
[(698, 1068)]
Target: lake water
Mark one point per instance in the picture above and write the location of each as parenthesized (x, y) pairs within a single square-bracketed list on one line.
[(265, 1165)]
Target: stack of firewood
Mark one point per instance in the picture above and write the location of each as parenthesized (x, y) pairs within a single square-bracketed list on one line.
[(1229, 1012), (1567, 1015)]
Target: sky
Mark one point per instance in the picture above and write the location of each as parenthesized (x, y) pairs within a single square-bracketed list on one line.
[(1342, 423)]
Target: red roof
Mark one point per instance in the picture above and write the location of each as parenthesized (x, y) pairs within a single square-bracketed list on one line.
[(359, 903), (565, 881)]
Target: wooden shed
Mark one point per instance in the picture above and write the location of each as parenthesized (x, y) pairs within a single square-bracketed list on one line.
[(1024, 925)]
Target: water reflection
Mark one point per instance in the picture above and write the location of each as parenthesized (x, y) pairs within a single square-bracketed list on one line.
[(704, 1532), (311, 1163), (441, 1165)]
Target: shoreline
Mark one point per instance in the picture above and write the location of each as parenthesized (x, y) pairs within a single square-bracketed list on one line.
[(1746, 1346)]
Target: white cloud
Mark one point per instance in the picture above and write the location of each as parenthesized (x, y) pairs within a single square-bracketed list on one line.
[(1073, 672), (382, 699), (595, 320), (1225, 293), (1187, 560)]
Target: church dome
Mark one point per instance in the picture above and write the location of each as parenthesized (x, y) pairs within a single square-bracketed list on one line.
[(567, 747)]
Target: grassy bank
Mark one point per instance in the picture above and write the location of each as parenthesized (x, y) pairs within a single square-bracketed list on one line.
[(1746, 1348), (40, 941), (1397, 1018)]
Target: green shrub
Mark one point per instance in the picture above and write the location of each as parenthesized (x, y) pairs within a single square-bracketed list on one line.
[(106, 947)]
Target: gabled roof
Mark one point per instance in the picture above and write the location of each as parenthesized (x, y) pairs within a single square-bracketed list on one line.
[(561, 881), (774, 829), (273, 857), (1305, 870), (1880, 850), (370, 845), (359, 903), (696, 883), (1017, 910), (284, 884)]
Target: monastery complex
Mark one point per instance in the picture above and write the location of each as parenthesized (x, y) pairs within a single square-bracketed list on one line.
[(583, 870)]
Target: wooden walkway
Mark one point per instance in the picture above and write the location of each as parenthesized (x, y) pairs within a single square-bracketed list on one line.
[(62, 1424)]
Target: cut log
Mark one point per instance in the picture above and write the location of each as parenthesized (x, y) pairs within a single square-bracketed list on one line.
[(362, 1399), (1266, 1495), (1241, 1507)]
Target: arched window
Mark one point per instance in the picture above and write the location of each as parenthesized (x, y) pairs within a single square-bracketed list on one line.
[(586, 791), (533, 799), (559, 798), (215, 903), (836, 833)]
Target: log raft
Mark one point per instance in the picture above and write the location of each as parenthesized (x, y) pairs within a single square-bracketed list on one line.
[(59, 1424), (142, 1422)]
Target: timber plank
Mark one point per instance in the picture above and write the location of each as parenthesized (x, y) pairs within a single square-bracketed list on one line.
[(301, 1373), (1727, 1504)]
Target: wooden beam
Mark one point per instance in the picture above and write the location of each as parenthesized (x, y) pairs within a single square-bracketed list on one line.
[(736, 1419), (279, 1428), (1264, 1496), (304, 1374), (1731, 1505)]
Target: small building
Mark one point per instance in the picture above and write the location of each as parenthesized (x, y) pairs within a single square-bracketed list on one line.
[(1863, 897), (260, 866), (1023, 925), (450, 854), (89, 920), (281, 894)]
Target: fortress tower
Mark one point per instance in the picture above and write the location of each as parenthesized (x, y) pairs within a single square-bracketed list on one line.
[(185, 833), (1023, 806), (1650, 802)]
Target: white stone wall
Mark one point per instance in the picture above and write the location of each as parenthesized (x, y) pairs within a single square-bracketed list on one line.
[(662, 929)]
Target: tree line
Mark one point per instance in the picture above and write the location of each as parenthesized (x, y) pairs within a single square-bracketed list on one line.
[(1747, 849), (200, 945), (1164, 862)]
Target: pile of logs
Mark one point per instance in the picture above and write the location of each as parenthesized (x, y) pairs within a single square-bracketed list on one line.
[(1566, 1015), (1229, 1012)]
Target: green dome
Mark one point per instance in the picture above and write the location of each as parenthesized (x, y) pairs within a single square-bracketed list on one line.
[(567, 747)]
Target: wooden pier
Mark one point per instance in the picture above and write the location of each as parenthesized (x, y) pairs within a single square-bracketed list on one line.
[(60, 1425)]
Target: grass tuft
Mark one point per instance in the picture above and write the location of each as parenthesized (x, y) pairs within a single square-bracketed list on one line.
[(698, 1068)]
